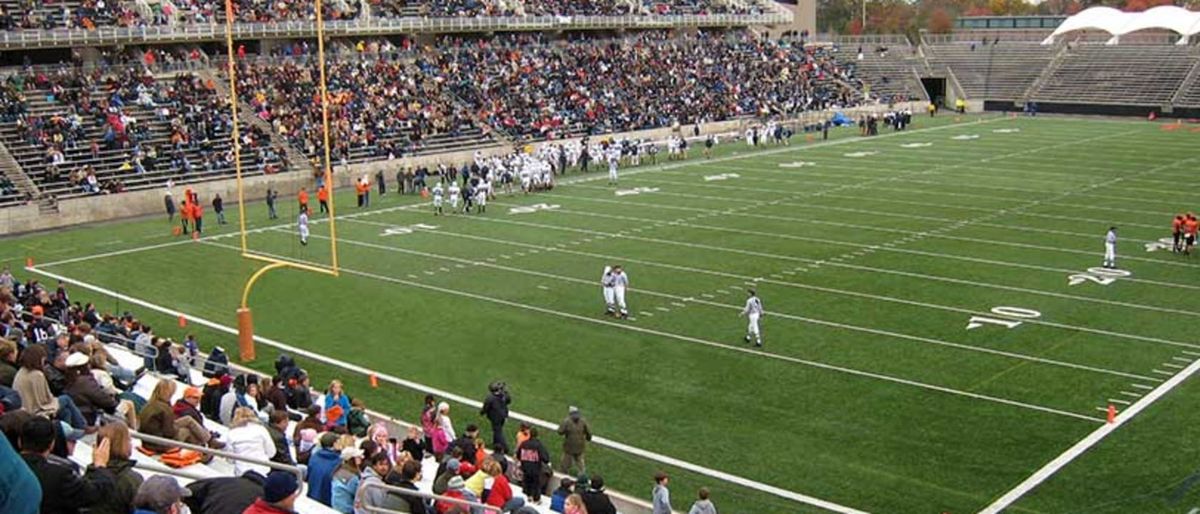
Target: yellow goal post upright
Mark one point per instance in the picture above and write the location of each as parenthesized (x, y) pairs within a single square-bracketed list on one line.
[(245, 320)]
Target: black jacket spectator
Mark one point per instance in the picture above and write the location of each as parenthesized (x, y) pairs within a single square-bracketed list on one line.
[(225, 494), (64, 490)]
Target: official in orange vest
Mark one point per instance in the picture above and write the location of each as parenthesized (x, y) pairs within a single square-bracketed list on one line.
[(323, 198), (363, 189), (303, 197)]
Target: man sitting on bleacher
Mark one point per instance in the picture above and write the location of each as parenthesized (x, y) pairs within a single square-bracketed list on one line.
[(64, 491)]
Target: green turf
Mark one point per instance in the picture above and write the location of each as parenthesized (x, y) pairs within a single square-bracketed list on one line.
[(870, 392)]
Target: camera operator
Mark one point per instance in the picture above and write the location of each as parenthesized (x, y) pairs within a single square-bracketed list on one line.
[(495, 408)]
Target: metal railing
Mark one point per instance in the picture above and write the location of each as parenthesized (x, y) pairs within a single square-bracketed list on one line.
[(306, 29), (428, 496), (218, 453)]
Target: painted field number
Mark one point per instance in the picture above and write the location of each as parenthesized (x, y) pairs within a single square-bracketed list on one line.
[(1102, 276), (400, 231), (1165, 243), (1011, 317)]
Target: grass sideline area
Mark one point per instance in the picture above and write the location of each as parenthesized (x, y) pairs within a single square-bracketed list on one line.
[(872, 256)]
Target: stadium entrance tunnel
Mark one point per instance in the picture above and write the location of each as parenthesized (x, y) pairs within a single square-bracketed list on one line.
[(936, 88)]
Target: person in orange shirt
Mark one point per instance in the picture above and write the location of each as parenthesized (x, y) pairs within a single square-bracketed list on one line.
[(303, 197), (1177, 233), (1189, 228), (362, 189), (197, 215), (323, 198), (185, 214)]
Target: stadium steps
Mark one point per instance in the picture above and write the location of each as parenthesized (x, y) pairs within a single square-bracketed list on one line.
[(1189, 91), (294, 158), (1046, 73), (888, 74), (26, 188), (998, 71)]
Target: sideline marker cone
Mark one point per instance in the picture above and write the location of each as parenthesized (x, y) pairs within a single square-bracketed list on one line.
[(374, 381), (29, 262), (1112, 414), (182, 321)]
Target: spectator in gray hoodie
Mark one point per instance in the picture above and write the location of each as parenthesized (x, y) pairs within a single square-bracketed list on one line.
[(703, 505), (661, 495)]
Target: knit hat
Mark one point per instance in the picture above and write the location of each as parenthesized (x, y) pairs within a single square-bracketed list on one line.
[(453, 465), (76, 359), (279, 486), (328, 439), (456, 482)]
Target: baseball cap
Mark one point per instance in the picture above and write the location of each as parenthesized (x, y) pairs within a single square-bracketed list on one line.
[(453, 465), (279, 486), (37, 310), (351, 453), (76, 359), (159, 492)]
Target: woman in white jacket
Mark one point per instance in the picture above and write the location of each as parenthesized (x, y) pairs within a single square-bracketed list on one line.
[(249, 438)]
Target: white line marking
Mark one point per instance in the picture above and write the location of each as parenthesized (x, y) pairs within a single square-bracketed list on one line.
[(1102, 409), (663, 459), (679, 304), (1188, 352), (1122, 402), (1132, 394), (1173, 366), (1161, 372), (1182, 359), (663, 309), (1142, 386), (544, 288), (1088, 442)]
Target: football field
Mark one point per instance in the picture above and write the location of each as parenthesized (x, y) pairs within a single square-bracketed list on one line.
[(938, 327)]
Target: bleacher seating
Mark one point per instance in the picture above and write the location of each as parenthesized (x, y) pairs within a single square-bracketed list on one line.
[(889, 73), (1147, 75), (993, 71), (71, 110)]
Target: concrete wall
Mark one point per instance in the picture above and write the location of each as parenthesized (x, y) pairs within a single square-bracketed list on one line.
[(77, 211)]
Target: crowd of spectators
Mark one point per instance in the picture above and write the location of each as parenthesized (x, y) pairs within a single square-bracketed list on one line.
[(172, 128), (59, 387), (387, 107), (90, 14), (536, 88)]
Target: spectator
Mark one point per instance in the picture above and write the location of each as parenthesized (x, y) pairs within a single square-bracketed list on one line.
[(443, 429), (495, 408), (661, 496), (357, 421), (558, 498), (429, 421), (576, 434), (345, 480), (31, 384), (467, 444), (442, 481), (223, 495), (595, 499), (187, 405), (534, 458), (377, 467), (414, 444), (321, 466), (337, 405), (89, 397), (63, 489), (574, 505), (160, 494), (455, 488), (248, 438), (21, 487), (703, 505), (277, 396), (410, 474), (127, 481), (276, 425), (279, 495), (8, 362), (499, 493), (311, 422), (158, 419)]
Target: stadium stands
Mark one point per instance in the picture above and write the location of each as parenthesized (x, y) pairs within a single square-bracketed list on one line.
[(89, 133), (995, 71), (888, 72), (1146, 75)]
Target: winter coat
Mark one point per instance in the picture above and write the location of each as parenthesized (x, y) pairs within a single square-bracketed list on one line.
[(576, 433), (224, 495), (63, 490), (321, 466), (90, 397), (127, 482), (157, 419)]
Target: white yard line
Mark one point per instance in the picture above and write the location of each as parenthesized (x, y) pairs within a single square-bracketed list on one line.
[(844, 265), (616, 445), (797, 285), (713, 344), (676, 301), (1085, 444)]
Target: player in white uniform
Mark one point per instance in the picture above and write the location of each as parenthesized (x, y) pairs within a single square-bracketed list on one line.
[(753, 311), (437, 199), (606, 284), (481, 195), (302, 225), (455, 193), (620, 282), (614, 156), (1110, 248)]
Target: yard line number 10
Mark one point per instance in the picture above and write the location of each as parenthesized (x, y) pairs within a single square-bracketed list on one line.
[(1008, 317)]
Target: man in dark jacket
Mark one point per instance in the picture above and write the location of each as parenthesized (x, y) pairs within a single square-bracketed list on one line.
[(533, 457), (576, 434), (85, 391), (495, 407), (278, 423), (406, 477), (63, 489), (596, 500), (467, 443), (8, 362), (225, 494)]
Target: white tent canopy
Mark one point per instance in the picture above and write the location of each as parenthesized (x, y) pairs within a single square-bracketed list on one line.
[(1117, 23)]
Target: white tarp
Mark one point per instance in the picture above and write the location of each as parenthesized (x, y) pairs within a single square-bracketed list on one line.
[(1118, 23)]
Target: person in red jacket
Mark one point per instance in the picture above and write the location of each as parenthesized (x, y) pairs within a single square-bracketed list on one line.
[(500, 493), (279, 495)]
